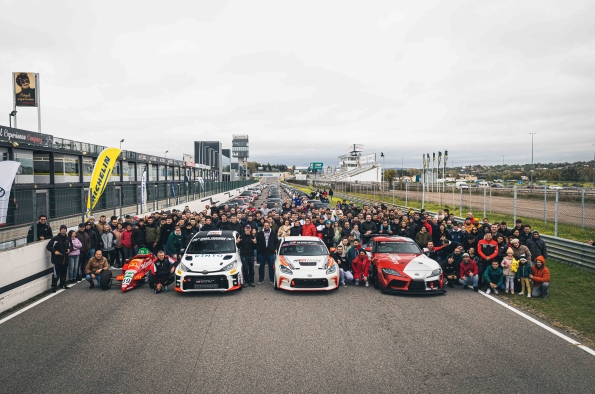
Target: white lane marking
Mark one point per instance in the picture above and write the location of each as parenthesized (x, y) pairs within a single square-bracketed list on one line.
[(540, 324), (7, 318)]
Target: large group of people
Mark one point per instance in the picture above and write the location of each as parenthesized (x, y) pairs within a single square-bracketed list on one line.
[(474, 253)]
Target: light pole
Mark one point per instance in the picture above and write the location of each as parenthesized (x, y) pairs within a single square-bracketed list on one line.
[(122, 140), (10, 116), (166, 153), (532, 168), (383, 169)]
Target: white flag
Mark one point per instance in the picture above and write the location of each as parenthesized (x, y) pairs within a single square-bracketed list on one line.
[(143, 187), (8, 170)]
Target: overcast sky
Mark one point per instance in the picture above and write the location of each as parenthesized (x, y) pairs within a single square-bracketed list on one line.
[(306, 79)]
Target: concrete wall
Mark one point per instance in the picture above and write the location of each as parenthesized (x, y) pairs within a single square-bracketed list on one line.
[(26, 262)]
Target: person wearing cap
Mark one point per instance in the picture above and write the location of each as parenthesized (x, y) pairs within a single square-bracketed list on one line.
[(469, 273), (83, 237), (247, 245), (59, 247), (188, 232), (541, 278), (361, 267), (328, 234), (523, 274), (451, 271), (536, 245)]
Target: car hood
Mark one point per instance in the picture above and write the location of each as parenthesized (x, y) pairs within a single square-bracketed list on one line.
[(207, 262), (398, 258), (420, 267), (307, 263)]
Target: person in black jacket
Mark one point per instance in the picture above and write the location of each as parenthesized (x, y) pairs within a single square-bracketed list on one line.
[(188, 232), (164, 270), (139, 236), (266, 242), (296, 229), (235, 225), (44, 231), (208, 225), (451, 271), (224, 224), (327, 234), (93, 239), (368, 228), (166, 229), (247, 245), (59, 247), (341, 259)]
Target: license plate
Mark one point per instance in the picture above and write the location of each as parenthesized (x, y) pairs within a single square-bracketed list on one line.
[(205, 281), (206, 286)]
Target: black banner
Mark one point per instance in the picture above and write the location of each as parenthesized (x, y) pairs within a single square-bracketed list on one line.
[(25, 137)]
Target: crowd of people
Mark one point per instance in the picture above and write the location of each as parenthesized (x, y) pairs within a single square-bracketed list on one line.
[(474, 253)]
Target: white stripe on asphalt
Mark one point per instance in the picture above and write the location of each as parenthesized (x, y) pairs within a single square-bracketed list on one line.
[(7, 318), (540, 324)]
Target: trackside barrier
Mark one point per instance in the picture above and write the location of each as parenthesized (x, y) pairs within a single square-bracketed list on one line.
[(26, 271), (569, 252)]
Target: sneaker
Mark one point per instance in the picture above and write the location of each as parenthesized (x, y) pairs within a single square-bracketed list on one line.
[(367, 284), (112, 268), (64, 287), (251, 284), (92, 285), (166, 289), (495, 291), (488, 291), (53, 289), (511, 291), (521, 293), (357, 283), (476, 289), (451, 285), (273, 283), (343, 284), (260, 283), (506, 291), (465, 287), (528, 295), (157, 291)]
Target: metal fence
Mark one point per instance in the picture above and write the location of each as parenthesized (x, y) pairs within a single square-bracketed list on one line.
[(67, 205), (565, 213)]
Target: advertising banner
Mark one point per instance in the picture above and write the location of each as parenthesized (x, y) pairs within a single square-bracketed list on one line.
[(19, 136), (102, 173), (143, 189), (8, 170), (24, 89)]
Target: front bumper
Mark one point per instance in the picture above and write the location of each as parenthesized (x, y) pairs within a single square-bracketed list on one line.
[(189, 282), (308, 281), (398, 284)]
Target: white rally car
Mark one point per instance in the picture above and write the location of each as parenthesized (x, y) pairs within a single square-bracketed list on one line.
[(211, 262), (304, 264)]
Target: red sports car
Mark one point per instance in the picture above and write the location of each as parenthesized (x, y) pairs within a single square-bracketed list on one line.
[(399, 265)]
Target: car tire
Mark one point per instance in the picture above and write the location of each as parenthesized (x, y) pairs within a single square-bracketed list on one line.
[(376, 282), (275, 284), (106, 280)]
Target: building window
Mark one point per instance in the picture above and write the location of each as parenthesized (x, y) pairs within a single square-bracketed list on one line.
[(41, 164), (71, 167), (26, 160), (88, 166)]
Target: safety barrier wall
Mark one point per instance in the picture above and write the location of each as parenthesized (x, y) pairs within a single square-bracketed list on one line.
[(26, 271)]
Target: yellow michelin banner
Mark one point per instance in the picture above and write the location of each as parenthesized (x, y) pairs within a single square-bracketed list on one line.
[(101, 176)]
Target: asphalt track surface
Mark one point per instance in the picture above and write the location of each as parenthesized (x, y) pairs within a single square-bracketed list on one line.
[(258, 340)]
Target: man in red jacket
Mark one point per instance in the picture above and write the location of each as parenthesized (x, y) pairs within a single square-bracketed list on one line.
[(361, 267), (487, 249), (308, 229), (468, 273), (541, 278)]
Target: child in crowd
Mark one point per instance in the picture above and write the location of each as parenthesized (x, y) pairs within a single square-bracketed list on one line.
[(509, 274), (522, 276)]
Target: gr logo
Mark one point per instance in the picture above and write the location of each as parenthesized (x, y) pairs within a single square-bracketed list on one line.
[(2, 192)]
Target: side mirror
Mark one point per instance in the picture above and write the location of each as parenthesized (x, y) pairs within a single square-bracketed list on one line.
[(332, 250), (369, 249)]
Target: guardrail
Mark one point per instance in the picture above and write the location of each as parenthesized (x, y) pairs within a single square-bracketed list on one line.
[(568, 252)]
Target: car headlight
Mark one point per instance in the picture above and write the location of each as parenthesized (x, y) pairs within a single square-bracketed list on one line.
[(285, 270), (332, 269), (229, 266), (436, 272), (183, 268), (390, 271)]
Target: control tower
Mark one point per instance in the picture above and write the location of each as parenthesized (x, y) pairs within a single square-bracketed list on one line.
[(240, 149)]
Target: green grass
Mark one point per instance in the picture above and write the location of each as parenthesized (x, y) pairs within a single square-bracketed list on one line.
[(571, 303)]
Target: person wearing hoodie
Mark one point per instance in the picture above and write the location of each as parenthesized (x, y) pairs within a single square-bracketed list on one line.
[(328, 234), (508, 271), (73, 256), (93, 239), (107, 245), (523, 274), (188, 232), (541, 278), (493, 277), (59, 247), (536, 245), (175, 243), (361, 267), (468, 273)]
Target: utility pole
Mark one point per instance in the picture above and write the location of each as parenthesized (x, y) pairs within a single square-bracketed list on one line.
[(532, 167)]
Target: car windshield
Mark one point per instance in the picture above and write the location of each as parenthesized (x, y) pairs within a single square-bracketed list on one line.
[(303, 248), (211, 245), (398, 247)]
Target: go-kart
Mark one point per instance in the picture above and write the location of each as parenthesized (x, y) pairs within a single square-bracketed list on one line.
[(135, 272)]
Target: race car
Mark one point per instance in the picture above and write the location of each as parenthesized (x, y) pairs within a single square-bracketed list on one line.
[(304, 264), (135, 272), (211, 262), (399, 265)]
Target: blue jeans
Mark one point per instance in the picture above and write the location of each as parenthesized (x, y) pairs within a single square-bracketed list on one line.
[(73, 266), (90, 254), (90, 280), (263, 260), (470, 280), (341, 276)]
